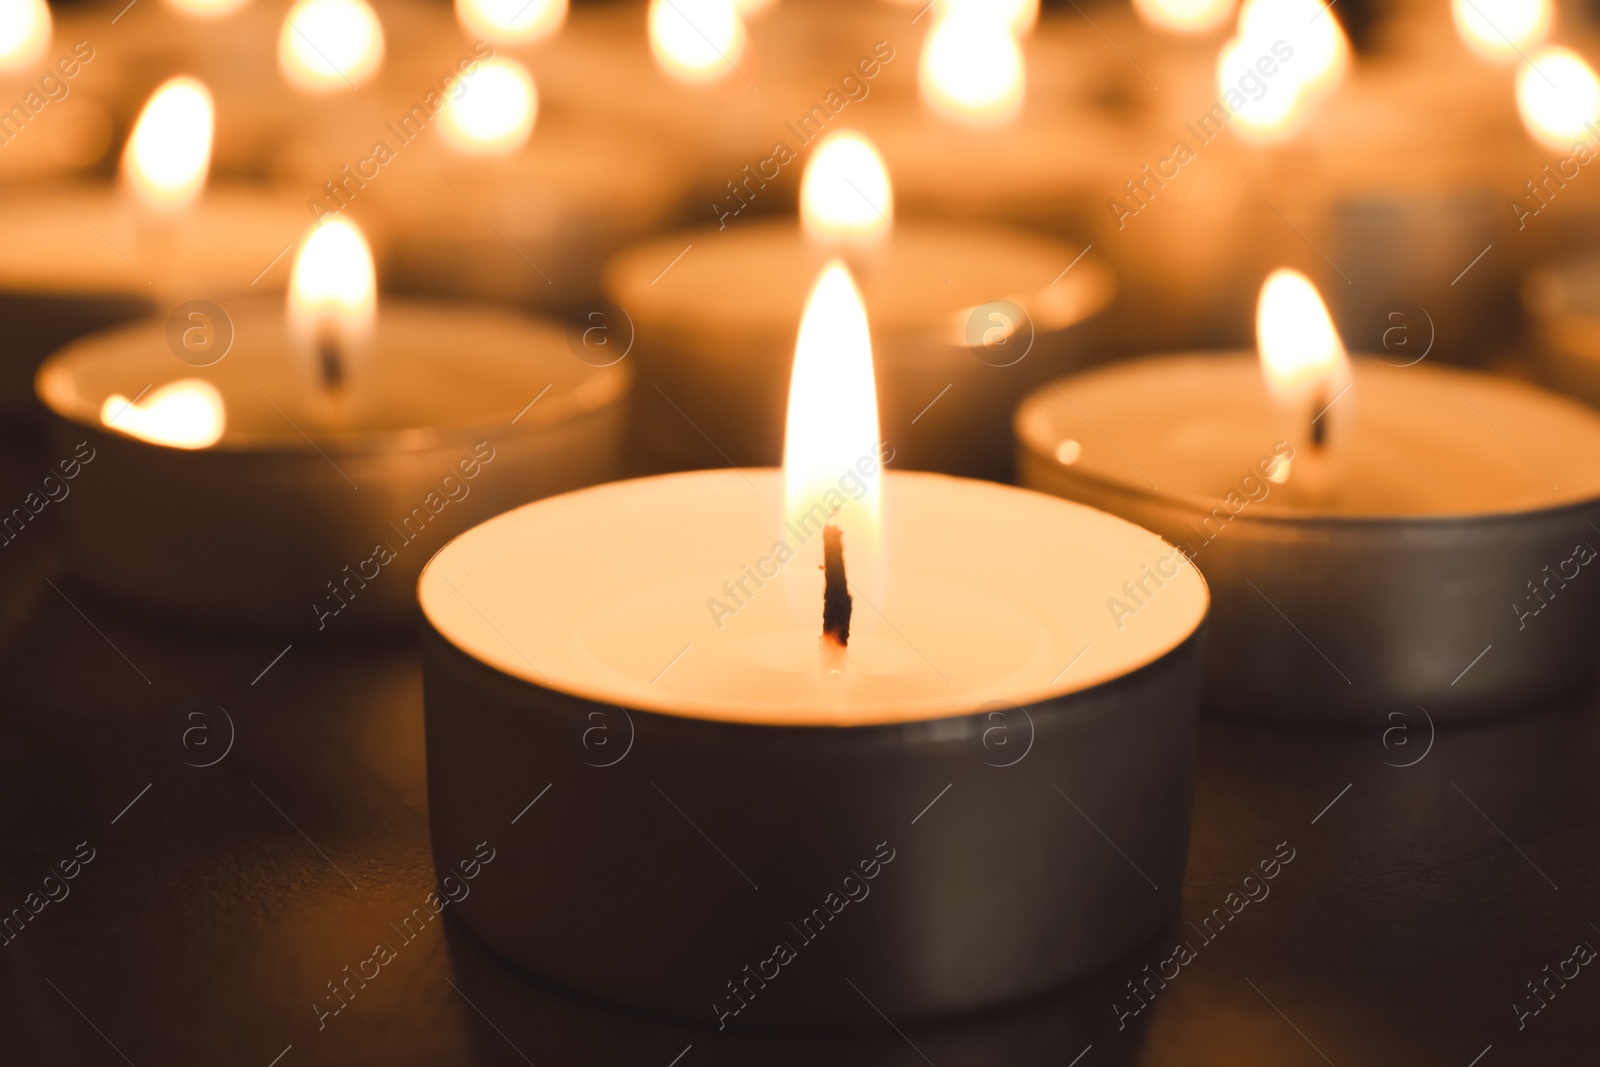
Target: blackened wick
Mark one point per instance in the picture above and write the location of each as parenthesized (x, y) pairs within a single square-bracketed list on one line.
[(835, 590)]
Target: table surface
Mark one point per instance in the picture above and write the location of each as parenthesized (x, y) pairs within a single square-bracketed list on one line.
[(220, 900)]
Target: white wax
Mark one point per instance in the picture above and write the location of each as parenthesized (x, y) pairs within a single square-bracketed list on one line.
[(745, 286), (1419, 440), (990, 594)]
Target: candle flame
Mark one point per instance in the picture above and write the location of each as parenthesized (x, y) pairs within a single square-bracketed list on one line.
[(1559, 99), (511, 21), (206, 9), (1319, 54), (24, 32), (187, 413), (168, 154), (492, 111), (1184, 16), (832, 423), (971, 68), (696, 41), (1301, 354), (1019, 15), (845, 193), (333, 289), (1502, 30), (328, 45)]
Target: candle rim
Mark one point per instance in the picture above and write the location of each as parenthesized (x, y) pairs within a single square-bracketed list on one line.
[(1266, 512), (580, 396), (1065, 701), (1089, 287), (1061, 687)]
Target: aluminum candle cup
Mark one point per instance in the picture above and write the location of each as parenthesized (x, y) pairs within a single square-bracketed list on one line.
[(1563, 302), (78, 260), (695, 809), (1441, 563), (965, 319), (301, 514)]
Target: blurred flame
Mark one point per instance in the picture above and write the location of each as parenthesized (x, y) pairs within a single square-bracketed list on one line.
[(1320, 53), (207, 9), (1559, 99), (187, 413), (333, 290), (1019, 15), (1301, 354), (492, 110), (511, 21), (1502, 30), (24, 32), (971, 67), (1184, 16), (168, 154), (845, 193), (327, 45), (696, 41), (747, 8), (833, 410)]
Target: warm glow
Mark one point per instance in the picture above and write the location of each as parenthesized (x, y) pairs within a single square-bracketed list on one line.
[(207, 9), (752, 7), (1320, 53), (24, 32), (187, 413), (1559, 99), (1301, 354), (327, 45), (333, 290), (1019, 15), (971, 67), (832, 423), (845, 194), (696, 40), (1184, 16), (1502, 29), (492, 110), (511, 21), (168, 155)]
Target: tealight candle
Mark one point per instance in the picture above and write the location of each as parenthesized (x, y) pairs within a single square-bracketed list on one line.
[(747, 694), (78, 257), (1378, 537), (518, 201), (966, 317), (298, 473)]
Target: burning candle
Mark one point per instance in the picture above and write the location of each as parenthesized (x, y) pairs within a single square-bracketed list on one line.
[(1000, 123), (520, 202), (82, 256), (512, 22), (700, 41), (24, 34), (330, 45), (1377, 537), (297, 473), (651, 651), (1502, 30), (966, 318)]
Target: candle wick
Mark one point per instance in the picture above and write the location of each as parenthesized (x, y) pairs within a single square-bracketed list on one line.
[(1319, 425), (836, 605), (330, 361)]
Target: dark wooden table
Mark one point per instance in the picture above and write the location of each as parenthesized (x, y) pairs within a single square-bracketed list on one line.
[(221, 900)]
